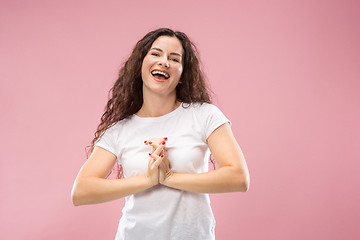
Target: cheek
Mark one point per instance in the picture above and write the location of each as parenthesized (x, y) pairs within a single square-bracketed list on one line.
[(180, 70), (142, 72), (144, 66)]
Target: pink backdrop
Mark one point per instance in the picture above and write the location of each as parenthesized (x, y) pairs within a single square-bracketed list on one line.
[(285, 72)]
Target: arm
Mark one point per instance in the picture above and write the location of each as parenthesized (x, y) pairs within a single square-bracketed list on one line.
[(231, 176), (91, 187)]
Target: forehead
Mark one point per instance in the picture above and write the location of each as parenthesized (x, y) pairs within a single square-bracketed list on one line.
[(168, 44)]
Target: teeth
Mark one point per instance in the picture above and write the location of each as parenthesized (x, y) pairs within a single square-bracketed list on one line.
[(162, 73)]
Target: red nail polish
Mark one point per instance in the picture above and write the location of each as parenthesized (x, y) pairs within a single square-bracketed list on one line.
[(150, 142), (165, 138), (149, 154), (162, 155), (145, 142), (163, 143)]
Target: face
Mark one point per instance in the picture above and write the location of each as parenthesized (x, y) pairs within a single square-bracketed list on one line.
[(162, 66)]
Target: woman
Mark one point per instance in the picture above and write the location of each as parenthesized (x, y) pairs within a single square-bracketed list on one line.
[(159, 106)]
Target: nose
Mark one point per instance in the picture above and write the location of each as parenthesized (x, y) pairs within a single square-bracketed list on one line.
[(164, 62)]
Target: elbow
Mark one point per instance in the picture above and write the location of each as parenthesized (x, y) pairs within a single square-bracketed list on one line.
[(76, 198), (245, 185), (242, 182)]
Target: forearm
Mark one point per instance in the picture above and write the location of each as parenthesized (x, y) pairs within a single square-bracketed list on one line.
[(224, 179), (92, 190)]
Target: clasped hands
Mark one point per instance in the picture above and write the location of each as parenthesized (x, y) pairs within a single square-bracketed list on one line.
[(159, 166)]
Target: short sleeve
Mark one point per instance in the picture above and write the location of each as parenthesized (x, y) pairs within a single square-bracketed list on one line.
[(107, 141), (213, 118)]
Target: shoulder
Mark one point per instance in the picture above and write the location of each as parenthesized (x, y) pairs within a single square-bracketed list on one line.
[(203, 109), (207, 116), (118, 126), (199, 106)]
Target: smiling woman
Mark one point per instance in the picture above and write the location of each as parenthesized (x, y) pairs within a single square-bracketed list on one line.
[(162, 68), (160, 127)]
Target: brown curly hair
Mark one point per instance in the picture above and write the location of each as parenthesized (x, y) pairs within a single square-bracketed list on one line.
[(126, 96)]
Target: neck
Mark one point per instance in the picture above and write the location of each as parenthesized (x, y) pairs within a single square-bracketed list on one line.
[(156, 106)]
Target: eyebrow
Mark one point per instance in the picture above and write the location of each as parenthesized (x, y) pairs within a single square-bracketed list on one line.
[(160, 50)]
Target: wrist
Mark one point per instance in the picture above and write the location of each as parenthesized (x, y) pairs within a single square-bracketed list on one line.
[(168, 177), (149, 181)]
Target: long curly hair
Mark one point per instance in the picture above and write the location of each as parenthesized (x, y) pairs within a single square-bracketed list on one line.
[(126, 96)]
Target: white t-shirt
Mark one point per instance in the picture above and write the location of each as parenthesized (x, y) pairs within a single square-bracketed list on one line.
[(160, 212)]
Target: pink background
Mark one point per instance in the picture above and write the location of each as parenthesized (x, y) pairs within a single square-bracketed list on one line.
[(285, 72)]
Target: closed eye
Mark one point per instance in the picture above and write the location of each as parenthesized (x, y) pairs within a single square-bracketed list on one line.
[(175, 60), (155, 54)]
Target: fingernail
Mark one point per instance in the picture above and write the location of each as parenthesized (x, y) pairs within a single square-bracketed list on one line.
[(145, 142), (162, 155), (163, 143), (149, 154), (165, 138), (150, 142)]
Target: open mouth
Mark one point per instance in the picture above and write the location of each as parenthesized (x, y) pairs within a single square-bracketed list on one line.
[(160, 75)]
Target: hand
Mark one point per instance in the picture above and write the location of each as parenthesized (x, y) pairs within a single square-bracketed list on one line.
[(164, 167), (156, 142), (156, 157)]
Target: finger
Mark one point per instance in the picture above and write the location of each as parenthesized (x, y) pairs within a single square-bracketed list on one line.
[(151, 164), (157, 161), (159, 149), (164, 152), (156, 142), (150, 143), (153, 149), (156, 156), (165, 164), (151, 158)]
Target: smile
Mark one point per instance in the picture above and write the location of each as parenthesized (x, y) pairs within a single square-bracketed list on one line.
[(160, 75)]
